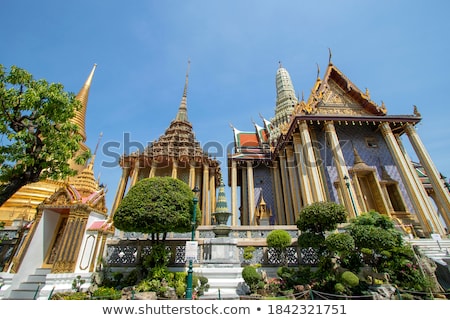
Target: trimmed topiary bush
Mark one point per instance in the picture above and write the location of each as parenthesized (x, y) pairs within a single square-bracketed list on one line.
[(349, 279), (251, 277)]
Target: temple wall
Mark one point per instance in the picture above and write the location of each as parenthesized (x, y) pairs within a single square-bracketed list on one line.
[(355, 136)]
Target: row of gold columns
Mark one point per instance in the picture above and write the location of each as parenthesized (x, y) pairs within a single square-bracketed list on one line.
[(69, 248), (413, 185), (130, 176), (442, 197)]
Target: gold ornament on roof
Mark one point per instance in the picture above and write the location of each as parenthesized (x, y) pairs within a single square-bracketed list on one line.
[(416, 112)]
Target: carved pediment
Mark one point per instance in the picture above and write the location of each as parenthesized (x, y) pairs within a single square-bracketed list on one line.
[(336, 101), (60, 198)]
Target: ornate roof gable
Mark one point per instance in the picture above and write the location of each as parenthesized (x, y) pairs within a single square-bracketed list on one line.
[(337, 95)]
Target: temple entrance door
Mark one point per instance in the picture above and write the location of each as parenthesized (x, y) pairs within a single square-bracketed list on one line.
[(367, 193), (56, 242)]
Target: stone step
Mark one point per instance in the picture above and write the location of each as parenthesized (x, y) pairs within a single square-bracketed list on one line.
[(42, 271), (30, 286), (23, 294)]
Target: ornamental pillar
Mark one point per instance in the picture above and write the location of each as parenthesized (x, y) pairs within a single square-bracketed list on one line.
[(311, 163), (288, 210), (121, 189), (280, 215), (251, 194), (305, 187), (410, 180), (234, 205), (441, 193), (344, 182), (294, 186), (205, 196)]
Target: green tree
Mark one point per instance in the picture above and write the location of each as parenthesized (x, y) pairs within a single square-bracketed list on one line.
[(37, 135), (279, 240), (156, 206), (314, 220)]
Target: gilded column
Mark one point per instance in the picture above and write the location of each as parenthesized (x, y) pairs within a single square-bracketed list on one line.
[(342, 171), (121, 189), (135, 174), (212, 192), (191, 175), (410, 182), (234, 207), (69, 248), (286, 190), (441, 192), (280, 215), (205, 196), (302, 172), (432, 218), (244, 198), (175, 169), (153, 170), (311, 164), (251, 194), (294, 187)]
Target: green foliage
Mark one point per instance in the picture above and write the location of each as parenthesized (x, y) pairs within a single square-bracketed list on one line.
[(105, 293), (375, 238), (251, 277), (321, 216), (310, 240), (248, 252), (37, 134), (77, 283), (350, 279), (278, 239), (156, 205), (339, 288), (340, 243), (295, 276), (70, 296), (158, 257)]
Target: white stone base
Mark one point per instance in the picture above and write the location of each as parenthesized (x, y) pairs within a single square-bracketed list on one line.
[(223, 281), (62, 282)]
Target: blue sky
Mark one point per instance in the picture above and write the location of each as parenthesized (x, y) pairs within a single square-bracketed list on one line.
[(399, 50)]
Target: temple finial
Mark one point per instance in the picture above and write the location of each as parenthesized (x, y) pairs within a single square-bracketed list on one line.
[(182, 110), (329, 56), (318, 71)]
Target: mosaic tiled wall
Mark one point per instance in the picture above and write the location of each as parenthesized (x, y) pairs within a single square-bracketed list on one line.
[(355, 136), (263, 184)]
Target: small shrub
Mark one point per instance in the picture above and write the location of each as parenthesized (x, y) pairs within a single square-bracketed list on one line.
[(350, 279), (70, 296), (251, 277), (105, 293)]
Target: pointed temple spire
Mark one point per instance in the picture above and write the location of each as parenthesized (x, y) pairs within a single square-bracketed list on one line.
[(182, 110), (286, 100), (82, 96)]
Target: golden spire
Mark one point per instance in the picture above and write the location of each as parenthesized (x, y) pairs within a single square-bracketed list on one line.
[(357, 157), (85, 181), (182, 110), (82, 96)]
